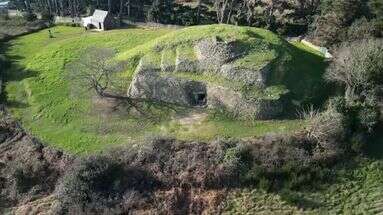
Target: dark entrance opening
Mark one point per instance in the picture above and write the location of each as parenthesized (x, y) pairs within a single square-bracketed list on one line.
[(200, 99), (99, 25)]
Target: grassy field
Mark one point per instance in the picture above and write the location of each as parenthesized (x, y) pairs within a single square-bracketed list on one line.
[(50, 107)]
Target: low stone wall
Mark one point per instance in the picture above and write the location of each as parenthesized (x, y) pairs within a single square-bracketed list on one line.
[(67, 20), (149, 24)]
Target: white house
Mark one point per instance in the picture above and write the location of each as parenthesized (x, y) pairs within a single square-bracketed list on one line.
[(100, 20), (4, 4)]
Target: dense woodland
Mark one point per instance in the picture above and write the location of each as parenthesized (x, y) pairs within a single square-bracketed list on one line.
[(326, 21)]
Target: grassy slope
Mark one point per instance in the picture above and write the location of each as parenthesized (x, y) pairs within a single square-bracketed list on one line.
[(40, 95), (51, 108)]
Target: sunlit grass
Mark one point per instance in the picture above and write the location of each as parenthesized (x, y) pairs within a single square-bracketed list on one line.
[(49, 106)]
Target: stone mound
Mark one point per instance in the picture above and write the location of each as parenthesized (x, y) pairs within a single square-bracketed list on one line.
[(186, 60), (206, 56)]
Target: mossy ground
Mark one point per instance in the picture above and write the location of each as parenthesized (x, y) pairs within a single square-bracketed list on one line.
[(56, 111)]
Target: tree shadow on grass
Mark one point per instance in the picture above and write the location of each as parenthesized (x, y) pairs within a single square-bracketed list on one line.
[(11, 70)]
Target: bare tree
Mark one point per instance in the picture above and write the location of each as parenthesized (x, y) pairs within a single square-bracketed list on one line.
[(110, 6), (97, 70), (358, 66), (221, 7)]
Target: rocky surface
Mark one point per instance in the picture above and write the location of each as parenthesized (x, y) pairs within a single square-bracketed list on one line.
[(219, 97), (186, 63), (246, 75), (212, 53), (149, 84)]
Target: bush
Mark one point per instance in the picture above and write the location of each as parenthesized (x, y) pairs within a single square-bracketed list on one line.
[(326, 129), (358, 66), (96, 183), (119, 180), (29, 17), (339, 104), (24, 180), (369, 117), (46, 16), (361, 29)]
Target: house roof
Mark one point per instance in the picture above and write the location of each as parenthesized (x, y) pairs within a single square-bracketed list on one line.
[(4, 4), (99, 15)]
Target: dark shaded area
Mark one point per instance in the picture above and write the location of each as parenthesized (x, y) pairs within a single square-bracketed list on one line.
[(302, 74), (10, 70), (374, 147)]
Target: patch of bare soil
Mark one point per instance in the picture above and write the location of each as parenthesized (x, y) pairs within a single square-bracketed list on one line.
[(193, 118), (106, 107), (40, 206)]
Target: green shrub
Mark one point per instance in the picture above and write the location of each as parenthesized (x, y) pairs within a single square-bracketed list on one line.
[(339, 104), (369, 118)]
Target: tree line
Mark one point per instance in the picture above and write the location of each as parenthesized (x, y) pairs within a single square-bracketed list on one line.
[(329, 21)]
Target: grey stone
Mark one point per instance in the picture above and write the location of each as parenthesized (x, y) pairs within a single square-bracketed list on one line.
[(219, 97), (246, 75), (186, 64), (213, 53), (148, 84), (167, 65)]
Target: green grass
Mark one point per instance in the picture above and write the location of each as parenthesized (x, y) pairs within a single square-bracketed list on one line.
[(53, 109), (41, 97), (215, 128), (358, 190), (302, 68), (253, 40)]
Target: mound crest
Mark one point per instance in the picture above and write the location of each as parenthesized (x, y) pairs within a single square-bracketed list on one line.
[(216, 66)]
